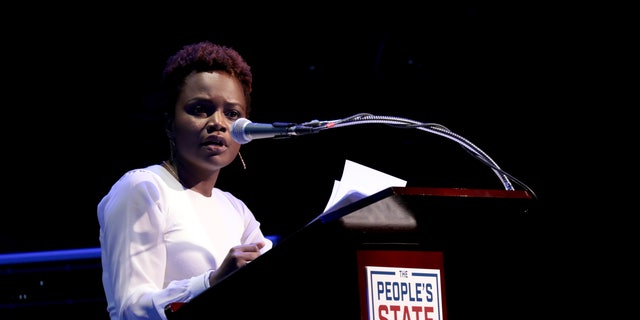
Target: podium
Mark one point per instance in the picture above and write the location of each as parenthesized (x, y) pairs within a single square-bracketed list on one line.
[(469, 246)]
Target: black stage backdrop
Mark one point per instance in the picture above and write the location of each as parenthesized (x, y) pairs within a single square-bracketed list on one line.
[(84, 102)]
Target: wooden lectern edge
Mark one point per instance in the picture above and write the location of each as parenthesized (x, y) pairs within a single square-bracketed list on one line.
[(421, 191), (461, 192)]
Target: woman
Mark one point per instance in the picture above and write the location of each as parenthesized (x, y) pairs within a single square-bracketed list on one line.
[(166, 232)]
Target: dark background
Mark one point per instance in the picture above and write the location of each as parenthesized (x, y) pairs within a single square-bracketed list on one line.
[(514, 79), (82, 96)]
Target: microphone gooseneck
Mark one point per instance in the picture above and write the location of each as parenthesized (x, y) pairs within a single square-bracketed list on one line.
[(243, 131)]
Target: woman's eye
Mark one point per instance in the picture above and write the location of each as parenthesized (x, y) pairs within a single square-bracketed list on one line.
[(199, 109), (232, 114)]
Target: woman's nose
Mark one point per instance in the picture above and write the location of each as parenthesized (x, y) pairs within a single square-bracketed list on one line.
[(216, 122)]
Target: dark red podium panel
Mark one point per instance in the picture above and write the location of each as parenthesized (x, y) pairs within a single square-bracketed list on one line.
[(393, 284)]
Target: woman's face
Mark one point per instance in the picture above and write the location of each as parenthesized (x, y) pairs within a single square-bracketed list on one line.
[(208, 105)]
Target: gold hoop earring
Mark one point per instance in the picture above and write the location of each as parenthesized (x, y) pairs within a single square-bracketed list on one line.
[(244, 165)]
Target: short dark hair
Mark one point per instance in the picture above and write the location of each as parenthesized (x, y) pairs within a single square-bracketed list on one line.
[(200, 57)]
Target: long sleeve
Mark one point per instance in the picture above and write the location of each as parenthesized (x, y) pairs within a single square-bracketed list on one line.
[(160, 241), (134, 254)]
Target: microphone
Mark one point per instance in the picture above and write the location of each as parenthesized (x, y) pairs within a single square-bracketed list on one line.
[(243, 130)]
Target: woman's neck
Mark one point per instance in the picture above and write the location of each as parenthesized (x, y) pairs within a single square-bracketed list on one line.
[(200, 182)]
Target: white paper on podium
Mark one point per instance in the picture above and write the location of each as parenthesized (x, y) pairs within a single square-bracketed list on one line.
[(359, 181)]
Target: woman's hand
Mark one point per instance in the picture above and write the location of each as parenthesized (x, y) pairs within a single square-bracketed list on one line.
[(238, 257)]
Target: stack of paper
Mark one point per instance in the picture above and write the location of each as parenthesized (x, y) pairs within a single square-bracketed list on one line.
[(358, 182)]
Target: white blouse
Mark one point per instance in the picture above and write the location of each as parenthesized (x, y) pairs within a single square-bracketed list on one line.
[(160, 241)]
